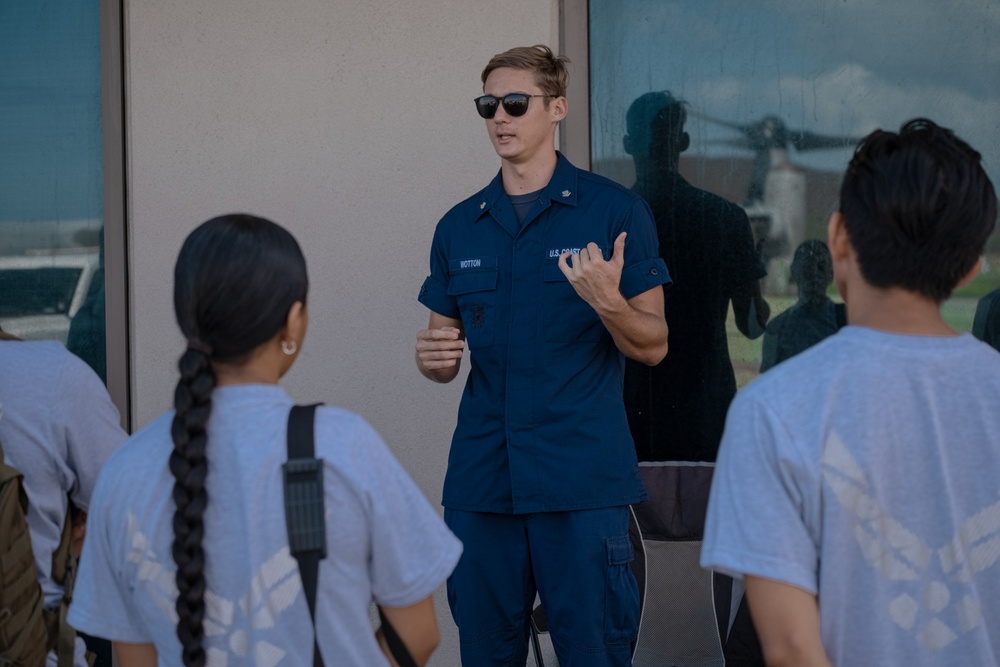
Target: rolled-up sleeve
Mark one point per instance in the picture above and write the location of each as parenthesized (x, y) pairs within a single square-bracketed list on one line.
[(434, 291), (644, 269)]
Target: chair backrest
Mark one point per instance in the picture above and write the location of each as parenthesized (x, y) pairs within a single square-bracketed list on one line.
[(679, 626)]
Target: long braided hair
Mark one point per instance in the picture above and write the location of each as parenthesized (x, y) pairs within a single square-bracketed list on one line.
[(236, 278)]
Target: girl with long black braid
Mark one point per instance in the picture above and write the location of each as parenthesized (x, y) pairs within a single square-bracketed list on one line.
[(227, 305), (234, 596)]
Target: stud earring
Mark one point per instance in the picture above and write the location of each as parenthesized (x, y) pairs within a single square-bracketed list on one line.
[(289, 347)]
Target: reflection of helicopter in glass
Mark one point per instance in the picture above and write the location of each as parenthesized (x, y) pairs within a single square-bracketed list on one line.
[(776, 198)]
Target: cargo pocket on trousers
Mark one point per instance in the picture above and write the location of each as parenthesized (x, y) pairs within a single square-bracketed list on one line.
[(621, 598)]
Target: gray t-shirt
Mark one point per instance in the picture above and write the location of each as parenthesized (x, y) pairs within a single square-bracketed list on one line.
[(866, 471), (384, 540), (58, 426)]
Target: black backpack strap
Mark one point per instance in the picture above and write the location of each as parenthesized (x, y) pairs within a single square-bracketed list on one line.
[(395, 642), (304, 513)]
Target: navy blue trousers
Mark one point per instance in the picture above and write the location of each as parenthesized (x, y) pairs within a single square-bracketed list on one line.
[(577, 562)]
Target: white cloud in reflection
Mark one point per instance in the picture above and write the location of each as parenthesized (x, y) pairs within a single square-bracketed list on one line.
[(841, 67)]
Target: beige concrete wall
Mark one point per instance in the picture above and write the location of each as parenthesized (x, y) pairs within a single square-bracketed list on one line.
[(351, 123)]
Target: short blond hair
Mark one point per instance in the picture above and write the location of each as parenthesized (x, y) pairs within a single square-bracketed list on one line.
[(550, 70)]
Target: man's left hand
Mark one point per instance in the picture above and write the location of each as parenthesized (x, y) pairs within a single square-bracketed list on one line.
[(593, 278)]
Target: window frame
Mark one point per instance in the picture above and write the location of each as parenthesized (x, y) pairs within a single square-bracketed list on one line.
[(113, 143), (574, 40)]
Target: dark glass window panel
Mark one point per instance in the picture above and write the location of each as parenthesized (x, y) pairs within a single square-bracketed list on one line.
[(38, 291), (51, 208), (776, 95)]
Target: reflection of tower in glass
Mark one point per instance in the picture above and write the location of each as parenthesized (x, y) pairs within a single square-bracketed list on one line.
[(786, 192), (784, 207), (776, 197)]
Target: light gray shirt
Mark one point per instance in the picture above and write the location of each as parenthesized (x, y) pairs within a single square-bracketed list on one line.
[(385, 543), (866, 471), (58, 426)]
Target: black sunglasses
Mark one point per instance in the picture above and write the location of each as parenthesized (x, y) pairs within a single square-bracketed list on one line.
[(515, 104)]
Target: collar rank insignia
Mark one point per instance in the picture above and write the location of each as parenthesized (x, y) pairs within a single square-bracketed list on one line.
[(566, 193)]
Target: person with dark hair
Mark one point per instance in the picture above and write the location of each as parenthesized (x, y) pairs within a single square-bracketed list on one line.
[(536, 275), (856, 488), (58, 425), (986, 323), (677, 408), (188, 560), (813, 317)]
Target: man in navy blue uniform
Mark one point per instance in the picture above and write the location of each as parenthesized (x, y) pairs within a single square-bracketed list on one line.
[(551, 277)]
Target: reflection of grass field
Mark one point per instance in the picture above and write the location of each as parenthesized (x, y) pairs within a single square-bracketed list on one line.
[(958, 312), (744, 353), (987, 280)]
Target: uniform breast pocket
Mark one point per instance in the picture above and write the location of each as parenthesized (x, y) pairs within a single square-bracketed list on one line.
[(567, 318), (476, 293)]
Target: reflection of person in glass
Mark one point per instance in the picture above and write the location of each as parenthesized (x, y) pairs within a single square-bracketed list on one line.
[(813, 317), (986, 325), (86, 338), (677, 409)]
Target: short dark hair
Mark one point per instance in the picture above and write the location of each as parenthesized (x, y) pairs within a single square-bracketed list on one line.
[(656, 116), (812, 269), (550, 70), (918, 208)]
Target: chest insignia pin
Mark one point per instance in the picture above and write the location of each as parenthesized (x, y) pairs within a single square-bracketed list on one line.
[(566, 193)]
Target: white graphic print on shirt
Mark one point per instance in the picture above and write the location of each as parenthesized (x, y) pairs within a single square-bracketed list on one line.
[(272, 590), (900, 555)]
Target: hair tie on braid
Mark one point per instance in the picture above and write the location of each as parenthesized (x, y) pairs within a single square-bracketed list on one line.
[(199, 346)]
